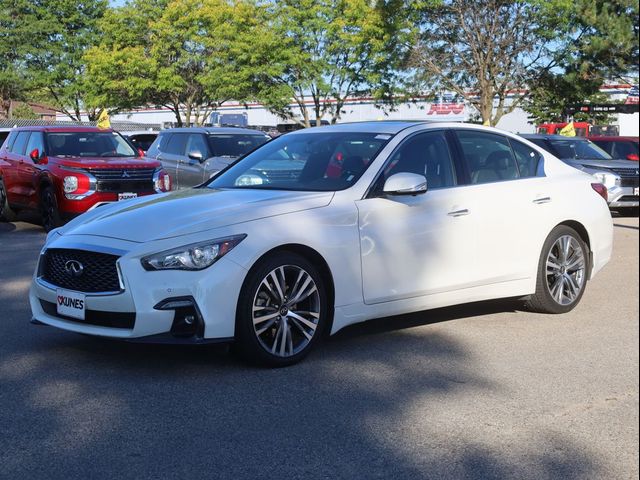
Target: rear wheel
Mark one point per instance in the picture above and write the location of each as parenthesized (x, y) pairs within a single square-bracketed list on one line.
[(562, 272), (49, 209), (282, 311), (6, 214)]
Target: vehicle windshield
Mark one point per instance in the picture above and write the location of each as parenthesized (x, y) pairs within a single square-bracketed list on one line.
[(233, 144), (579, 150), (88, 144), (319, 162)]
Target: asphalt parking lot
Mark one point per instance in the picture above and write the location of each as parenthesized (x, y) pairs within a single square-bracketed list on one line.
[(477, 391)]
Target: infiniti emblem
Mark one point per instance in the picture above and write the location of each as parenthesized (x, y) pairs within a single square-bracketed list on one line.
[(74, 268)]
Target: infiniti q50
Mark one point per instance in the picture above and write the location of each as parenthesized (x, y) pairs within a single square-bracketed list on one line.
[(327, 227)]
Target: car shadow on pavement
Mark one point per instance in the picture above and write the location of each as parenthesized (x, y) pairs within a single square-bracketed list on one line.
[(84, 407)]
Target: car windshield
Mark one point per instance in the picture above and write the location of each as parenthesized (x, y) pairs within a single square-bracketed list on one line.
[(88, 144), (233, 144), (305, 161), (579, 150)]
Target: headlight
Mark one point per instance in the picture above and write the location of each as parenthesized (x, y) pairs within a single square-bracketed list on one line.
[(196, 256), (607, 179), (248, 179)]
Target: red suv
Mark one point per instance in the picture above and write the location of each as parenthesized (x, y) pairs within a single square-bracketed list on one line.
[(65, 171), (618, 147)]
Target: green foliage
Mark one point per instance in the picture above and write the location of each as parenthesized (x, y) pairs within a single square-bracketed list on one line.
[(177, 54), (602, 45), (329, 50), (23, 111)]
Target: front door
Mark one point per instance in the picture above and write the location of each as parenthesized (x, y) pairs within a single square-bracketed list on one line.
[(191, 169), (417, 245)]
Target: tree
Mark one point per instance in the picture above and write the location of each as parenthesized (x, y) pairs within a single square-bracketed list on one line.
[(22, 34), (328, 51), (60, 69), (603, 45), (175, 54), (485, 50)]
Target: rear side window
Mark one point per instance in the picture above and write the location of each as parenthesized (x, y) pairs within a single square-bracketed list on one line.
[(175, 145), (489, 157), (3, 137), (527, 158), (19, 146), (36, 140)]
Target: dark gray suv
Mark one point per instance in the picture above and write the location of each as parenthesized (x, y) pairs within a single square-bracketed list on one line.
[(193, 155)]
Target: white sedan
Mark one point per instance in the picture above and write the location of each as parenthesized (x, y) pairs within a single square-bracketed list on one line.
[(327, 227)]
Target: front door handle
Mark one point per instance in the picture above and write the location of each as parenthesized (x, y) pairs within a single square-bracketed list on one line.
[(459, 213), (541, 200)]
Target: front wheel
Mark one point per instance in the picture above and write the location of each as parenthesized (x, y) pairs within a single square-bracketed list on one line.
[(282, 310), (562, 272), (49, 209)]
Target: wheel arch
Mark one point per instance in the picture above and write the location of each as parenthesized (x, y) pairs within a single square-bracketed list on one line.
[(318, 261)]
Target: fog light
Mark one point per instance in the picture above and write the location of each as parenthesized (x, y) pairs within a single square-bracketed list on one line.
[(187, 320)]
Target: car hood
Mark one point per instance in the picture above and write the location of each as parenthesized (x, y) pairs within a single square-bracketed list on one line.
[(106, 162), (189, 211), (601, 164)]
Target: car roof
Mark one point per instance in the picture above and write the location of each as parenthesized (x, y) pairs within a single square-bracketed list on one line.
[(210, 130), (614, 138), (63, 129), (381, 126), (552, 137), (139, 132)]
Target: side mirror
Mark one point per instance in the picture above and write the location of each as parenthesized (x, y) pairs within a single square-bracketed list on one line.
[(37, 157), (405, 183), (195, 155)]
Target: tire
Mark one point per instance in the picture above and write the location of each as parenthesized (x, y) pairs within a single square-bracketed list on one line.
[(563, 271), (6, 213), (49, 212), (291, 330)]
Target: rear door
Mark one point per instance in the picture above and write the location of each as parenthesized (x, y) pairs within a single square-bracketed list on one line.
[(510, 199)]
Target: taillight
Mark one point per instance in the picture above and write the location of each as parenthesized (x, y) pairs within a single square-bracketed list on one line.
[(633, 156), (140, 153), (601, 190), (162, 181)]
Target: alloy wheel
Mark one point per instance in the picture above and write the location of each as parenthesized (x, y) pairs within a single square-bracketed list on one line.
[(286, 311), (566, 268)]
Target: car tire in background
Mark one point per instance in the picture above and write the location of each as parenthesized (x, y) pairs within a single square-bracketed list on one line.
[(6, 214), (282, 310), (49, 209), (563, 272)]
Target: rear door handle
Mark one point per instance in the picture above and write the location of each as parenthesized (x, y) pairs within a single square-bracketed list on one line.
[(459, 213), (541, 200)]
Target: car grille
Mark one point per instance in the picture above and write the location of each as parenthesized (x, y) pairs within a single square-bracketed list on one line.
[(118, 186), (629, 182), (281, 175), (626, 172), (95, 317), (99, 272), (123, 173)]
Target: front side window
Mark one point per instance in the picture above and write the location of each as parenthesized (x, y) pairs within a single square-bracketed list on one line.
[(36, 141), (489, 156), (234, 145), (425, 154), (175, 145), (306, 161), (88, 144), (196, 144)]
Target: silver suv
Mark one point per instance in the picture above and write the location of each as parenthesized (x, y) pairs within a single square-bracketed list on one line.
[(193, 155)]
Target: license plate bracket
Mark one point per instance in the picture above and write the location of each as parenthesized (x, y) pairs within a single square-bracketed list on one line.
[(71, 304)]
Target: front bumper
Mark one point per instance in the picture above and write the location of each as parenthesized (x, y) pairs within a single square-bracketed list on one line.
[(136, 312)]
